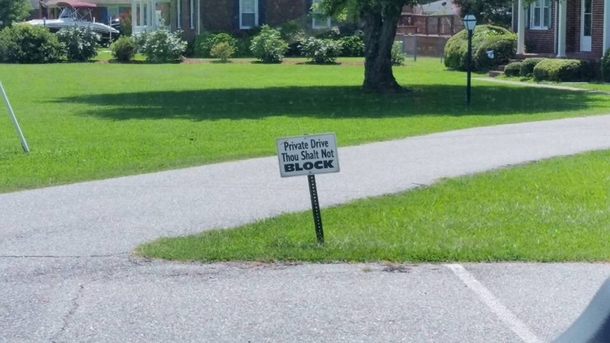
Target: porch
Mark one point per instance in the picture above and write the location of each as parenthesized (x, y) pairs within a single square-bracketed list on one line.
[(564, 29), (149, 15)]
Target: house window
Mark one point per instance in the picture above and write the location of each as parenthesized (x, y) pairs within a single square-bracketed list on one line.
[(319, 20), (248, 14), (540, 14)]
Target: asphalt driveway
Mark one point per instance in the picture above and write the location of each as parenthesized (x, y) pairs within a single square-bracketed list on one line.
[(67, 275)]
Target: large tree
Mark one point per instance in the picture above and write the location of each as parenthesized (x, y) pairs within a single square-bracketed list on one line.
[(13, 11), (379, 20)]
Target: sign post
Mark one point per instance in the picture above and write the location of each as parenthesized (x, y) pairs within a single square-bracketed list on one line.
[(309, 155)]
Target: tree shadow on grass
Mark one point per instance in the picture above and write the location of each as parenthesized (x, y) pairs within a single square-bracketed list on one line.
[(331, 102)]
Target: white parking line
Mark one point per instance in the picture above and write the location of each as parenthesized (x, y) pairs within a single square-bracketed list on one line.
[(506, 315)]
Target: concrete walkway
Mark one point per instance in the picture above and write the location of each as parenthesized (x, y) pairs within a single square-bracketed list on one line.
[(540, 85), (67, 275)]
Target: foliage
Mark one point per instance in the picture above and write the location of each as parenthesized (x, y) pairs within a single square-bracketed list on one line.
[(398, 57), (125, 22), (321, 51), (123, 49), (331, 33), (485, 38), (244, 41), (293, 32), (13, 11), (353, 46), (222, 50), (561, 70), (268, 45), (24, 43), (206, 41), (490, 12), (80, 43), (503, 48), (161, 46), (512, 69), (606, 66), (527, 66)]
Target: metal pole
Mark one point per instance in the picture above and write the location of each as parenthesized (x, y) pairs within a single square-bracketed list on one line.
[(468, 67), (315, 208), (24, 144)]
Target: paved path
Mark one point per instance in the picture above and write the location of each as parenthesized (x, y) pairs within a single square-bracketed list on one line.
[(66, 273), (541, 85)]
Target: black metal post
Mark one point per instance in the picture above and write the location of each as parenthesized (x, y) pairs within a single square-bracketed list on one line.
[(315, 208), (468, 67)]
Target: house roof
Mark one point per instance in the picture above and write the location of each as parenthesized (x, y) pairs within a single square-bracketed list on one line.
[(441, 7)]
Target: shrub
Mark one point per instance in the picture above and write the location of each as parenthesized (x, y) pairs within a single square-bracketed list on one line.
[(606, 66), (513, 69), (161, 46), (123, 49), (485, 38), (293, 33), (504, 47), (23, 43), (398, 57), (331, 33), (268, 46), (205, 42), (222, 50), (353, 46), (321, 51), (527, 66), (561, 70), (125, 23), (80, 43)]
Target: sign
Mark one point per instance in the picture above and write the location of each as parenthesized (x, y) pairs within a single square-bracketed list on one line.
[(308, 155)]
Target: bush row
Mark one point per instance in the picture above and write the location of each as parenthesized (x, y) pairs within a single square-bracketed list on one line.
[(562, 70), (546, 69), (288, 40), (23, 43)]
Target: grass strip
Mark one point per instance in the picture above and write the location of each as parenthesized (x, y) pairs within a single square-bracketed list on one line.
[(550, 211)]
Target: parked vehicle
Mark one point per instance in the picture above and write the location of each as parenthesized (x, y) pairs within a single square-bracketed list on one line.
[(79, 14)]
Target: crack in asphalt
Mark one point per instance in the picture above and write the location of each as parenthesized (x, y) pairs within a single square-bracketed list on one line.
[(66, 318)]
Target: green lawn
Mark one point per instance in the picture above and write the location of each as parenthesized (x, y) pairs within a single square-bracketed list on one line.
[(554, 210), (97, 120)]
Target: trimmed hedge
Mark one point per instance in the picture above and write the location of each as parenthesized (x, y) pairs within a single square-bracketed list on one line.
[(513, 69), (24, 43), (485, 38), (562, 70), (123, 49), (527, 66)]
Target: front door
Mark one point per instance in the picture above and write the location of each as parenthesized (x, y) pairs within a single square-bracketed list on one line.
[(586, 26)]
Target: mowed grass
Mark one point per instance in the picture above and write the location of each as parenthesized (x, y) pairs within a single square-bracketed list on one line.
[(98, 120), (554, 210)]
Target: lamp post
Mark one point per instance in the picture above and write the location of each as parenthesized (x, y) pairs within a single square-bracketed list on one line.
[(469, 22)]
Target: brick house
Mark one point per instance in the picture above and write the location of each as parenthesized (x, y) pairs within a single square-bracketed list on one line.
[(564, 28), (194, 16)]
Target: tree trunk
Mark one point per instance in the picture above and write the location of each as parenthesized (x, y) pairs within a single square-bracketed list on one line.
[(379, 32)]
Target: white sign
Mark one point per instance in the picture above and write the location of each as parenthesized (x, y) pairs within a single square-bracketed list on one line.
[(308, 155)]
